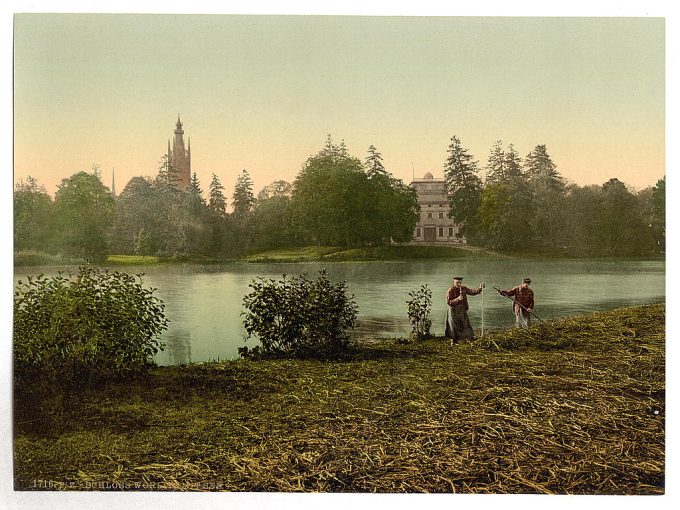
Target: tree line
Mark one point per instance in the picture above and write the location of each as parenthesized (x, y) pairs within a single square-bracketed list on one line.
[(521, 205), (336, 199), (526, 205)]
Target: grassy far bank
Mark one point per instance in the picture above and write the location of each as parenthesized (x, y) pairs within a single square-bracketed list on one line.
[(304, 254), (393, 252), (577, 406)]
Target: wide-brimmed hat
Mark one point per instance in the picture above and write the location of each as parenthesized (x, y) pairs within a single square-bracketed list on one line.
[(458, 278)]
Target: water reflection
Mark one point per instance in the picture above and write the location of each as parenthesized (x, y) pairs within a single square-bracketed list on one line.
[(177, 348)]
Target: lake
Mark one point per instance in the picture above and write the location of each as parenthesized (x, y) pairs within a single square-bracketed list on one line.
[(204, 303)]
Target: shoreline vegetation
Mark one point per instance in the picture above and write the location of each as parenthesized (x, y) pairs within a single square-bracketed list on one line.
[(576, 406), (306, 254)]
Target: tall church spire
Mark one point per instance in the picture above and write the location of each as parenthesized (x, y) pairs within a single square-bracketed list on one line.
[(113, 182), (180, 158)]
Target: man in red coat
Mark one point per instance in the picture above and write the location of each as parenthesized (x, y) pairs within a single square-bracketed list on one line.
[(457, 322), (524, 302)]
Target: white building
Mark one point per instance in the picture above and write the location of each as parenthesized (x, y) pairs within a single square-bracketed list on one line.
[(435, 226)]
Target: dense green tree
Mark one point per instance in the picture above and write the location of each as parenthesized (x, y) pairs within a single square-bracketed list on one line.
[(243, 198), (175, 222), (620, 221), (504, 216), (334, 202), (84, 210), (400, 214), (274, 190), (605, 221), (547, 188), (582, 207), (143, 243), (138, 207), (464, 187), (506, 208), (326, 193), (33, 216), (658, 215), (268, 225), (217, 202)]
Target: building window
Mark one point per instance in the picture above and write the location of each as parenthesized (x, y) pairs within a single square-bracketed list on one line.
[(450, 231), (441, 215), (441, 231), (429, 216), (418, 232)]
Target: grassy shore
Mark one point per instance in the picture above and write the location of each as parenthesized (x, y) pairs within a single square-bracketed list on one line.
[(574, 407), (393, 252)]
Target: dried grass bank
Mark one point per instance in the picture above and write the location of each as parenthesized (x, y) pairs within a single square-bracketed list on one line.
[(574, 407)]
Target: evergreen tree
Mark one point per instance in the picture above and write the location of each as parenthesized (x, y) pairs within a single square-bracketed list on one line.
[(374, 165), (495, 167), (513, 164), (464, 186), (332, 150), (217, 203), (342, 149), (329, 149), (195, 186), (547, 188), (243, 198)]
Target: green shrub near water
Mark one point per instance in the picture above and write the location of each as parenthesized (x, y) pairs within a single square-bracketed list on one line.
[(95, 325), (298, 317), (419, 307)]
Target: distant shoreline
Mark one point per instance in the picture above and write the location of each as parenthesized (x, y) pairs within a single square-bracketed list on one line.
[(314, 254)]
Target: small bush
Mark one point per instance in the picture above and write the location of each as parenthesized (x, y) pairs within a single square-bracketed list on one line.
[(81, 328), (419, 307), (298, 317)]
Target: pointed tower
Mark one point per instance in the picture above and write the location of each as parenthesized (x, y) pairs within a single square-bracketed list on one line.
[(180, 158), (113, 183)]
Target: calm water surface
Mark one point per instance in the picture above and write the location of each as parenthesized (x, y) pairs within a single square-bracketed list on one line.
[(204, 303)]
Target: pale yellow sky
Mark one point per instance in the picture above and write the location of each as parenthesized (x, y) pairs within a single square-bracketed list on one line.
[(262, 92)]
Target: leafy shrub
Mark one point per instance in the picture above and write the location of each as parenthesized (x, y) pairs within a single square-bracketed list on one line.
[(298, 317), (419, 307), (86, 327)]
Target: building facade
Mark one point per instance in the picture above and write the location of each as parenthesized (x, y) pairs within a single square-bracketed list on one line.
[(434, 226), (179, 158)]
